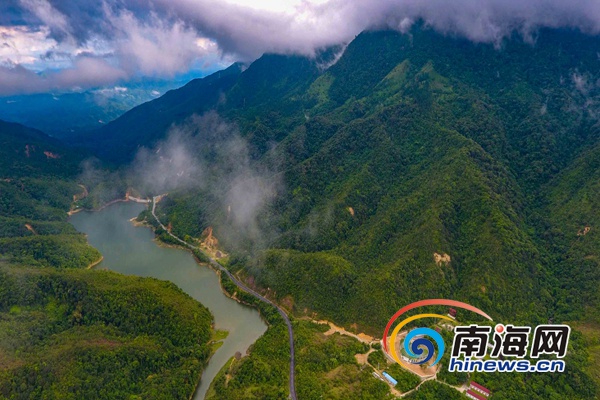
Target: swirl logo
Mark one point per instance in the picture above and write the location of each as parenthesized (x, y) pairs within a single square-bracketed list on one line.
[(417, 346)]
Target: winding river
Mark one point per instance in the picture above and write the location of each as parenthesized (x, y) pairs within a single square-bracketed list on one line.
[(131, 250)]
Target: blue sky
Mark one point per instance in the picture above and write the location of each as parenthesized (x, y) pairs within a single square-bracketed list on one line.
[(63, 45)]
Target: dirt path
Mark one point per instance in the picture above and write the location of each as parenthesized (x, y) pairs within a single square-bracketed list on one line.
[(83, 194), (361, 337), (363, 358)]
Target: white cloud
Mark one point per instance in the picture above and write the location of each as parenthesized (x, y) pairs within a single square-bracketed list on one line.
[(156, 47), (20, 45), (86, 72), (164, 37)]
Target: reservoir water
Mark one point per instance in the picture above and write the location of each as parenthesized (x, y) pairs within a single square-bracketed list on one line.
[(131, 250)]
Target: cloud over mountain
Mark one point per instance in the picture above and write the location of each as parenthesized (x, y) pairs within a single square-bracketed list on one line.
[(165, 37)]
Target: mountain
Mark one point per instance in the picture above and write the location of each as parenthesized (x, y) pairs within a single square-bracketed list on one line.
[(119, 140), (254, 89), (25, 151), (436, 144), (66, 115), (416, 166)]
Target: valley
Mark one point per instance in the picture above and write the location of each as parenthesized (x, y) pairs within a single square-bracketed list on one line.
[(255, 229)]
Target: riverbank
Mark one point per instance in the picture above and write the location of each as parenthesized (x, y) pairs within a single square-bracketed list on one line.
[(198, 261), (92, 265), (249, 292), (80, 209), (133, 251), (225, 292), (219, 335), (134, 221), (73, 212), (127, 199), (145, 224), (215, 343)]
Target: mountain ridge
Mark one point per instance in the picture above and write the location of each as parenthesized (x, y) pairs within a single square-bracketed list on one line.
[(422, 107)]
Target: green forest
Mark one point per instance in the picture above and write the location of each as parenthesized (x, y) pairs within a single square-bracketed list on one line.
[(70, 333), (326, 366), (418, 166), (418, 154), (93, 334)]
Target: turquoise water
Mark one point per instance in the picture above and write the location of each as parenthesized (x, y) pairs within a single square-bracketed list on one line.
[(131, 250)]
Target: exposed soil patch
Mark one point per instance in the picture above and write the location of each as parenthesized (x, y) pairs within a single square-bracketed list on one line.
[(362, 359), (82, 195), (98, 261), (584, 231), (336, 329), (287, 302), (441, 259), (209, 240), (30, 229)]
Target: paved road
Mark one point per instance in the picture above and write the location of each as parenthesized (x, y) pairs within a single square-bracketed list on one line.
[(253, 293)]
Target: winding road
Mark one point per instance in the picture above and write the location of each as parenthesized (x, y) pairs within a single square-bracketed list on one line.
[(239, 284)]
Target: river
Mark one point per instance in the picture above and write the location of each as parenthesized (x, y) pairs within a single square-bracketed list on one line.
[(131, 250)]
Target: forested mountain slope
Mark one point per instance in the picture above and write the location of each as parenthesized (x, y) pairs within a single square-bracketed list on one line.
[(28, 152), (417, 165), (37, 188), (119, 140)]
